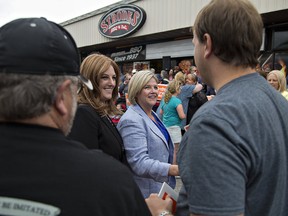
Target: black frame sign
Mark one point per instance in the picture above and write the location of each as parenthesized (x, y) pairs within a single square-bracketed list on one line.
[(122, 21), (130, 54)]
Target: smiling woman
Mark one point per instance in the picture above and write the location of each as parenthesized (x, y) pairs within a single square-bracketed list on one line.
[(277, 80), (146, 140), (93, 125)]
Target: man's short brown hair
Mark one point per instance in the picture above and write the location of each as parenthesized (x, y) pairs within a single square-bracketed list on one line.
[(235, 28)]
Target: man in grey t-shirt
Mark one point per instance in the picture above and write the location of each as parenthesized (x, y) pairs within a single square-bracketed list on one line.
[(233, 159)]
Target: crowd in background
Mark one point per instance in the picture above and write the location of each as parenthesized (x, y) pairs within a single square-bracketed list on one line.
[(165, 77), (68, 148)]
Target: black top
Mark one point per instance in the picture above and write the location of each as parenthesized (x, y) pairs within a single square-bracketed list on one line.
[(97, 132), (195, 102), (40, 164)]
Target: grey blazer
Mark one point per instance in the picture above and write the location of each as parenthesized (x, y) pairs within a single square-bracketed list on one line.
[(147, 150)]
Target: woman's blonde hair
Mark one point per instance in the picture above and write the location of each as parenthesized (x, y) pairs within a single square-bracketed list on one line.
[(180, 78), (281, 79), (137, 83), (172, 88), (93, 67)]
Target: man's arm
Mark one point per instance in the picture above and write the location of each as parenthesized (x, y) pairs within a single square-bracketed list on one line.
[(211, 158)]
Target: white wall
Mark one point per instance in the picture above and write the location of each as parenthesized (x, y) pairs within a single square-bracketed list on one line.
[(162, 15)]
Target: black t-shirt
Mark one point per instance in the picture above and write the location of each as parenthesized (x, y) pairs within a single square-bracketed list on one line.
[(40, 164), (195, 102)]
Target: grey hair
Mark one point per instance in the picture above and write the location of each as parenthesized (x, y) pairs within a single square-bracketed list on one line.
[(28, 96)]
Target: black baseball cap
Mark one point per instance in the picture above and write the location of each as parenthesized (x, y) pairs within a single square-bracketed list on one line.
[(38, 46)]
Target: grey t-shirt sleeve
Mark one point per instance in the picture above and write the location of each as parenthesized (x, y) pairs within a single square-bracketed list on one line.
[(213, 167)]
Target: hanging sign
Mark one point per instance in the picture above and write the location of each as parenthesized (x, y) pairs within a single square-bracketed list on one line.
[(122, 21)]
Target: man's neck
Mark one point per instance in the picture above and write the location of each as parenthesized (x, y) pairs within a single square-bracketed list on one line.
[(224, 75), (43, 120)]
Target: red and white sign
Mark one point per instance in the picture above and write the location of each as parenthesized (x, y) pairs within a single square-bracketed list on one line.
[(122, 21)]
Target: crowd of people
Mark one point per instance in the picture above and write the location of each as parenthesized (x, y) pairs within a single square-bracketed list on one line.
[(67, 149)]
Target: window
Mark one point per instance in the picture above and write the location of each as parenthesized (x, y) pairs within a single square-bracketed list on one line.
[(280, 40)]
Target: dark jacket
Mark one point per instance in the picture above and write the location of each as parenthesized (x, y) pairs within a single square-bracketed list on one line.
[(97, 132), (40, 164)]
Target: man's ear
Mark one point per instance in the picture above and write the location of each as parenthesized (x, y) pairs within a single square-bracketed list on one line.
[(61, 97), (208, 45)]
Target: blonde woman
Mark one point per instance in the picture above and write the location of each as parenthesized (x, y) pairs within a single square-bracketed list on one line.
[(147, 142), (172, 113), (277, 79)]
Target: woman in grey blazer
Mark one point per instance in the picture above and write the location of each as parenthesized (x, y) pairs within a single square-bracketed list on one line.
[(147, 143)]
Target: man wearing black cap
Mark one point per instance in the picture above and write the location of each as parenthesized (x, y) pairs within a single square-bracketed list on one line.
[(42, 171)]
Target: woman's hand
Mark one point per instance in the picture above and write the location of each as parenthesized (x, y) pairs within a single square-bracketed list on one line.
[(157, 205), (173, 170)]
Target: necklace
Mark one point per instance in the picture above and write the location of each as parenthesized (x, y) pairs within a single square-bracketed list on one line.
[(110, 120)]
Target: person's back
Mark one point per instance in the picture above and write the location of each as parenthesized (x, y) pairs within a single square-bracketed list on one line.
[(235, 149), (256, 134), (191, 87), (40, 164), (170, 114), (42, 171), (171, 107), (195, 102), (171, 110)]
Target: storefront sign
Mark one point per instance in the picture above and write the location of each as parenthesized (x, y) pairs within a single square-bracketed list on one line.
[(130, 54), (122, 21)]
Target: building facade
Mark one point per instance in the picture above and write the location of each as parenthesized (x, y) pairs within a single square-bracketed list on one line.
[(157, 33)]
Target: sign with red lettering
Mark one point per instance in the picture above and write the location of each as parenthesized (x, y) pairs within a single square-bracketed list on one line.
[(122, 21)]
